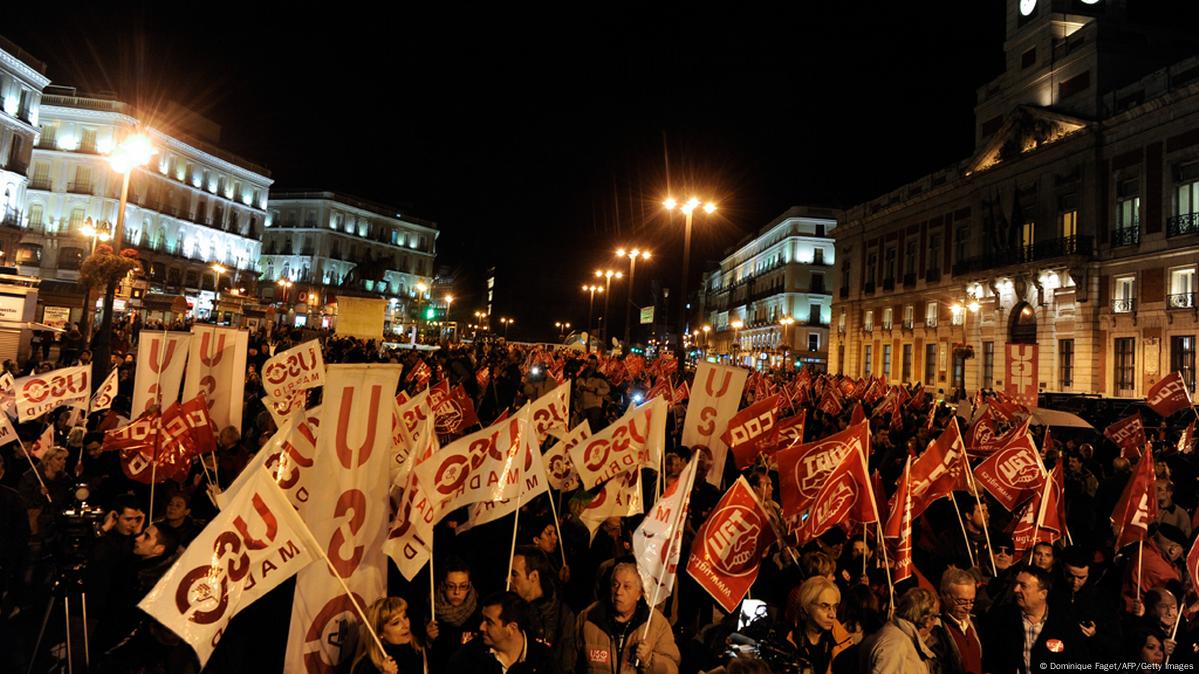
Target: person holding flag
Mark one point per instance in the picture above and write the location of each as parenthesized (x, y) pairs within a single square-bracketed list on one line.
[(622, 634)]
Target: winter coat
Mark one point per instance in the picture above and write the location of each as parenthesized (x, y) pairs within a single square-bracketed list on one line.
[(604, 642), (897, 647)]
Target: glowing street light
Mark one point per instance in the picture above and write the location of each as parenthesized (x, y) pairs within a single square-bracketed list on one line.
[(504, 321), (633, 255), (688, 208), (607, 275), (736, 326), (592, 289)]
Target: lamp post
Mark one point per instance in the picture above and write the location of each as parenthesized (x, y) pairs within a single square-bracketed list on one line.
[(89, 307), (971, 306), (133, 151), (592, 289), (687, 208), (506, 322), (633, 256), (786, 322), (607, 275), (449, 303), (220, 270), (736, 346), (562, 327), (707, 335), (422, 291)]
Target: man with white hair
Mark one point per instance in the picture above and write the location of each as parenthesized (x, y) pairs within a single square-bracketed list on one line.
[(956, 640), (902, 644)]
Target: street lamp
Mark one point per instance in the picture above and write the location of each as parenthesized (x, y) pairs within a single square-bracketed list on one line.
[(633, 256), (687, 208), (593, 289), (736, 326), (133, 151), (963, 311), (286, 285), (506, 322), (707, 329), (607, 275)]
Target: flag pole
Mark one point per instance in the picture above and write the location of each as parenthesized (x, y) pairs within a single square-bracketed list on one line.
[(557, 527), (962, 523), (679, 521), (36, 473), (986, 525), (515, 522), (865, 549), (882, 545), (1140, 551), (1173, 633), (432, 580)]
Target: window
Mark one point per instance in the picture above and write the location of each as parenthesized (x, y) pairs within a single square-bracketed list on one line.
[(813, 341), (1028, 234), (887, 316), (909, 257), (957, 314), (88, 142), (817, 282), (1128, 205), (1125, 348), (906, 364), (909, 316), (76, 221), (871, 268), (818, 256), (1124, 295), (1188, 191), (841, 323), (886, 360), (933, 262), (1068, 217), (1182, 289), (930, 314), (1065, 363), (841, 357), (845, 278), (963, 236), (889, 266), (866, 360), (988, 364), (868, 320), (35, 216), (930, 363), (1182, 358)]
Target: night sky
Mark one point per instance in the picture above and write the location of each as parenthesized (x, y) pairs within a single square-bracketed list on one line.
[(537, 137)]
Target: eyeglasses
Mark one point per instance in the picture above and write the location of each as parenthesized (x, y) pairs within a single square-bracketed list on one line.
[(958, 601), (457, 587), (1003, 550)]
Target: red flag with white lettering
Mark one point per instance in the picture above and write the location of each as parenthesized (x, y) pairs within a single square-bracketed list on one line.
[(858, 415), (803, 469), (940, 470), (899, 525), (1128, 434), (1137, 507), (728, 548), (845, 498), (1169, 395), (1014, 473), (751, 430)]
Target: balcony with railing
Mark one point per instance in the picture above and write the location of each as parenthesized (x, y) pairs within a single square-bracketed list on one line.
[(1042, 250), (1181, 225), (1124, 305), (80, 188), (908, 323), (1181, 301), (932, 275), (40, 184), (889, 283), (1126, 236)]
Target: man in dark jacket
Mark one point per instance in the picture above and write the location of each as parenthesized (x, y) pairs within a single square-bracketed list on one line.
[(506, 647), (550, 619), (1029, 636)]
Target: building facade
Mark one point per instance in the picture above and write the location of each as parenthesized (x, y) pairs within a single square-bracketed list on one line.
[(1073, 228), (22, 80), (771, 297), (192, 207), (325, 244)]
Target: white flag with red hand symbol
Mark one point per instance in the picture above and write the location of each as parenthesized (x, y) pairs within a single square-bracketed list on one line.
[(658, 542)]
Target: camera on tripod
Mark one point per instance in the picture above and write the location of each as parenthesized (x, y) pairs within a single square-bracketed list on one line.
[(81, 523)]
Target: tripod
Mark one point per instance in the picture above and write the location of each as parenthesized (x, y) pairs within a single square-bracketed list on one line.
[(68, 581)]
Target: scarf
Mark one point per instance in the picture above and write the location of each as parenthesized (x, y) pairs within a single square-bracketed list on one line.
[(455, 615)]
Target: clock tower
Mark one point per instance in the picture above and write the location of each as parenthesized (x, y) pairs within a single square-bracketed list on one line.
[(1064, 55)]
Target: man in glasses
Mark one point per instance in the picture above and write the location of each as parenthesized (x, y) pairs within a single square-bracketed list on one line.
[(956, 640)]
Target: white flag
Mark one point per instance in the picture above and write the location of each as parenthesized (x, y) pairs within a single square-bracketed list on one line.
[(348, 511), (559, 469), (8, 394), (216, 367), (634, 440), (43, 444), (7, 432), (659, 540), (40, 393), (107, 391), (159, 372), (413, 434), (296, 369), (252, 546), (715, 397), (620, 497), (533, 484), (288, 457), (551, 412)]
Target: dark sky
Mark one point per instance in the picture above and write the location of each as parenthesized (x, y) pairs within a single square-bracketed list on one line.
[(535, 136)]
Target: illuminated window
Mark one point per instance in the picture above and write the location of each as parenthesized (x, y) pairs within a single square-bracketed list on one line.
[(887, 318), (930, 314)]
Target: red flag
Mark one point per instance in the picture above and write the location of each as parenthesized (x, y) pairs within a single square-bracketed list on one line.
[(751, 430), (1186, 441), (940, 470), (1042, 519), (728, 548), (845, 497), (918, 400), (858, 416), (829, 404), (203, 430), (483, 376), (1193, 564), (804, 469), (980, 438), (683, 392), (420, 373), (1169, 395), (661, 388), (1137, 507), (1014, 473), (43, 444), (899, 525), (790, 430), (453, 410), (1128, 434)]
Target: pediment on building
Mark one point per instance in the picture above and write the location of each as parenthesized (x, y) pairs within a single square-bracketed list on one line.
[(1026, 128)]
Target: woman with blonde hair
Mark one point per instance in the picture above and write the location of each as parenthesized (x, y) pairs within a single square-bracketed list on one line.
[(402, 653), (816, 633)]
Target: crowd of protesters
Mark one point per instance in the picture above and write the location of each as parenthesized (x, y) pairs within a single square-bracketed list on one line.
[(570, 602)]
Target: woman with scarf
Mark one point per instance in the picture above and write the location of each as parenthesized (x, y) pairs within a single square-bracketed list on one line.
[(401, 653), (456, 615)]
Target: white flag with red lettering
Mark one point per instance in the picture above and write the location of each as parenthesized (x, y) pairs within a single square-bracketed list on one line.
[(551, 412), (40, 393), (102, 400), (216, 367), (620, 497), (296, 369), (658, 542), (43, 444), (288, 456), (533, 483), (348, 510), (252, 546), (715, 398), (636, 439), (161, 357), (559, 469)]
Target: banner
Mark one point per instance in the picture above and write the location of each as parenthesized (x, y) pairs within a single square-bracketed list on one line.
[(803, 469), (349, 512), (636, 439), (102, 400), (1169, 395), (216, 367), (251, 547), (7, 432), (281, 410), (752, 430), (287, 457), (728, 548), (559, 469), (486, 465), (296, 369), (160, 360), (898, 529), (40, 393), (43, 444), (1020, 369), (658, 541), (1128, 434), (533, 484), (551, 413), (1013, 474), (714, 400)]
